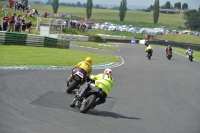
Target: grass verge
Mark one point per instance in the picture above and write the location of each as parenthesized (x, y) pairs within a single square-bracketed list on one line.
[(11, 55)]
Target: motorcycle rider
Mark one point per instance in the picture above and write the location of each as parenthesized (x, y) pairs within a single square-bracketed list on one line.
[(169, 48), (148, 48), (84, 67), (104, 81), (188, 50)]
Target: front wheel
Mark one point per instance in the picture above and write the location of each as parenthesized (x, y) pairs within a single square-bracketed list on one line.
[(89, 102), (72, 86), (191, 59)]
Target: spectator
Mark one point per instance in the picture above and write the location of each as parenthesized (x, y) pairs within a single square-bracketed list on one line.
[(4, 9), (11, 4), (0, 28), (33, 11), (66, 23), (23, 6), (5, 22), (12, 21), (15, 5), (17, 23), (28, 26), (36, 12), (45, 14), (23, 24)]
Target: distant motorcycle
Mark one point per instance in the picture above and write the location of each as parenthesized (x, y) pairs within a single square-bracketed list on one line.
[(149, 54), (169, 54), (75, 80), (90, 94), (190, 55)]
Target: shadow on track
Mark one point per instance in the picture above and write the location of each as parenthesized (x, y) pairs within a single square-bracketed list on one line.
[(110, 114)]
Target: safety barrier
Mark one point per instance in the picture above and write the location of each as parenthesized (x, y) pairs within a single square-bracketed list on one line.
[(33, 40)]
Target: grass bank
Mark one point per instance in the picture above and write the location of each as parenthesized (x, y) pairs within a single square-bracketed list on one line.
[(28, 55)]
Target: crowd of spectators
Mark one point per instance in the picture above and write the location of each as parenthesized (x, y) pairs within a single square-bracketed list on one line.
[(16, 23)]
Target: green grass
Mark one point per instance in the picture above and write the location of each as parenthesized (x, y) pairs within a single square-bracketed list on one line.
[(182, 51), (27, 55), (180, 38), (104, 46)]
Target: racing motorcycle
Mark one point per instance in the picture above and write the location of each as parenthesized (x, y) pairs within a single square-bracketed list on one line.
[(89, 95), (190, 55), (149, 54), (169, 54), (75, 80)]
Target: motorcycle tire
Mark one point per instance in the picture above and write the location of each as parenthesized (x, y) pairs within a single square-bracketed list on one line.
[(149, 56), (89, 103), (191, 59), (72, 86)]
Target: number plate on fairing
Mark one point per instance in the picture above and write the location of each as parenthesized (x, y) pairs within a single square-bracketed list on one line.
[(79, 74)]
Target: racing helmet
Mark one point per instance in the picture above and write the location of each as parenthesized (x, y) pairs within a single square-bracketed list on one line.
[(89, 59), (108, 71)]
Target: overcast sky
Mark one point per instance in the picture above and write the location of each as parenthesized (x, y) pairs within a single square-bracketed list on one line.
[(192, 4)]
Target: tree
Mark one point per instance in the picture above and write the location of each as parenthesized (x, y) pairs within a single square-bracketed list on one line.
[(156, 11), (192, 20), (78, 4), (37, 2), (26, 2), (185, 6), (150, 8), (55, 5), (177, 5), (49, 2), (89, 8), (167, 5), (199, 8), (122, 10)]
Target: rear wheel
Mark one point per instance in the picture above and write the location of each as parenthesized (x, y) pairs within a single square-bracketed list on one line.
[(88, 103)]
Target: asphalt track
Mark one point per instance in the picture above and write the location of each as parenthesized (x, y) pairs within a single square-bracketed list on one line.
[(149, 96)]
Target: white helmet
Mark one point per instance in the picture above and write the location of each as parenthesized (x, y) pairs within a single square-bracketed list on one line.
[(108, 71)]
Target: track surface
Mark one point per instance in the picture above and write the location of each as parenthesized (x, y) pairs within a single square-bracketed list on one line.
[(149, 96)]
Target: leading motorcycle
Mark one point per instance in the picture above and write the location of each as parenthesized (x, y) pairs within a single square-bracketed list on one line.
[(89, 95)]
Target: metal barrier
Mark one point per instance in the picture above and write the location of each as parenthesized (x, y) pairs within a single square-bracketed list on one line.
[(33, 40)]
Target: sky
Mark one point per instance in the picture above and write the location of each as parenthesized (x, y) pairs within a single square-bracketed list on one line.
[(192, 4)]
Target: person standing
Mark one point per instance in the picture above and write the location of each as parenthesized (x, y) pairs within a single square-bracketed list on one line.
[(28, 25), (5, 22), (12, 22), (23, 25), (17, 23)]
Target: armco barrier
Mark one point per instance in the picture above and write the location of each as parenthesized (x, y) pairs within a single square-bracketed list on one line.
[(33, 40), (176, 44)]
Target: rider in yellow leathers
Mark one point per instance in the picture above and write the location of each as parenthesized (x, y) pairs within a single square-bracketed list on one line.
[(148, 48), (85, 67), (104, 81)]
